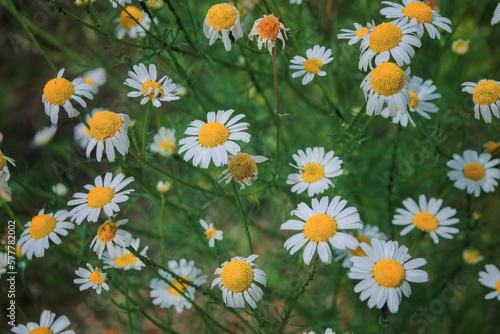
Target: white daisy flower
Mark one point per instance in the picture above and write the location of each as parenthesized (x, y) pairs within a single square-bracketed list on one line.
[(211, 233), (496, 15), (177, 292), (427, 216), (327, 331), (44, 135), (132, 22), (59, 189), (59, 91), (47, 325), (4, 262), (121, 2), (4, 170), (322, 226), (155, 4), (486, 97), (386, 40), (222, 19), (387, 84), (81, 133), (364, 234), (212, 141), (101, 196), (110, 130), (491, 279), (354, 36), (315, 170), (109, 235), (267, 29), (96, 78), (164, 142), (41, 228), (474, 171), (236, 280), (147, 86), (316, 58), (417, 12), (92, 278), (385, 272), (472, 256), (124, 259), (163, 187), (460, 46), (242, 168)]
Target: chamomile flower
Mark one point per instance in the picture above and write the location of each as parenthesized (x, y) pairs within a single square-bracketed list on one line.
[(132, 22), (121, 2), (92, 278), (492, 147), (386, 40), (41, 228), (81, 133), (364, 234), (266, 30), (104, 195), (491, 279), (315, 170), (327, 331), (222, 20), (109, 236), (496, 15), (4, 262), (427, 216), (59, 189), (164, 142), (155, 4), (486, 97), (472, 256), (4, 170), (474, 172), (385, 272), (47, 325), (212, 141), (124, 259), (460, 47), (211, 233), (417, 12), (178, 291), (163, 186), (321, 226), (387, 84), (147, 86), (316, 58), (59, 91), (96, 78), (242, 168), (354, 36), (236, 281), (44, 135)]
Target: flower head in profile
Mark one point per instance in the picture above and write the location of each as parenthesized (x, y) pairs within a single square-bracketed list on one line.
[(44, 136), (163, 186), (133, 22), (155, 4), (472, 256), (124, 259), (486, 97), (266, 30), (47, 325), (491, 279), (109, 236), (460, 47), (92, 278), (164, 142), (96, 78), (242, 168), (222, 21), (354, 36), (316, 58), (211, 233), (493, 148), (4, 170)]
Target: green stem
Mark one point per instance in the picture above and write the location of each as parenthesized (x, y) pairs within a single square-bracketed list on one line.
[(145, 130), (383, 322), (243, 216), (355, 136), (162, 234), (127, 303), (277, 111)]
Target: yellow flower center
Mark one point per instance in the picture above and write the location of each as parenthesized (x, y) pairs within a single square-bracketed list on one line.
[(269, 27), (222, 16), (241, 166), (210, 233), (385, 37), (106, 232), (100, 196), (41, 330), (472, 256), (104, 124), (125, 259), (313, 65), (237, 276), (359, 251), (362, 32), (313, 172), (491, 148), (58, 91), (389, 273), (497, 286), (96, 277), (88, 80), (181, 286), (387, 79), (213, 134), (127, 19), (419, 11), (320, 227), (425, 221), (414, 100), (168, 145), (2, 161), (486, 92), (474, 171), (153, 85), (41, 226)]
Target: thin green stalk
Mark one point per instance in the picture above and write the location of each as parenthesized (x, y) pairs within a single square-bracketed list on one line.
[(329, 100), (277, 111), (145, 130), (162, 232), (383, 322), (243, 216), (127, 303)]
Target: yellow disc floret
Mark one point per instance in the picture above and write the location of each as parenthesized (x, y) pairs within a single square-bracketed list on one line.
[(222, 16), (168, 145), (362, 32), (213, 134), (41, 330), (106, 232), (127, 19), (269, 27), (242, 166), (425, 222), (58, 91), (474, 171), (414, 100), (2, 161), (237, 276), (491, 148), (486, 92), (151, 87), (419, 11), (125, 260), (389, 273), (313, 65), (210, 233), (100, 196), (104, 124), (96, 277), (320, 227), (181, 286), (385, 37), (313, 172), (387, 79), (41, 226), (497, 286), (359, 251)]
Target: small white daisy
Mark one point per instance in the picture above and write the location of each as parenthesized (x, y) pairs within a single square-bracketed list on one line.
[(81, 133), (496, 15), (96, 78), (222, 19), (472, 256), (101, 196), (486, 97), (267, 29), (41, 228), (460, 46), (132, 22), (44, 135), (474, 171), (316, 58), (59, 189), (385, 272), (92, 278), (176, 292), (418, 12), (121, 2), (124, 259), (4, 170), (4, 262), (427, 216), (354, 36), (242, 168), (163, 186), (212, 141), (236, 280), (47, 325), (108, 235), (315, 170), (164, 142), (155, 4), (491, 279), (211, 233), (322, 226), (145, 83), (327, 331), (59, 91)]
